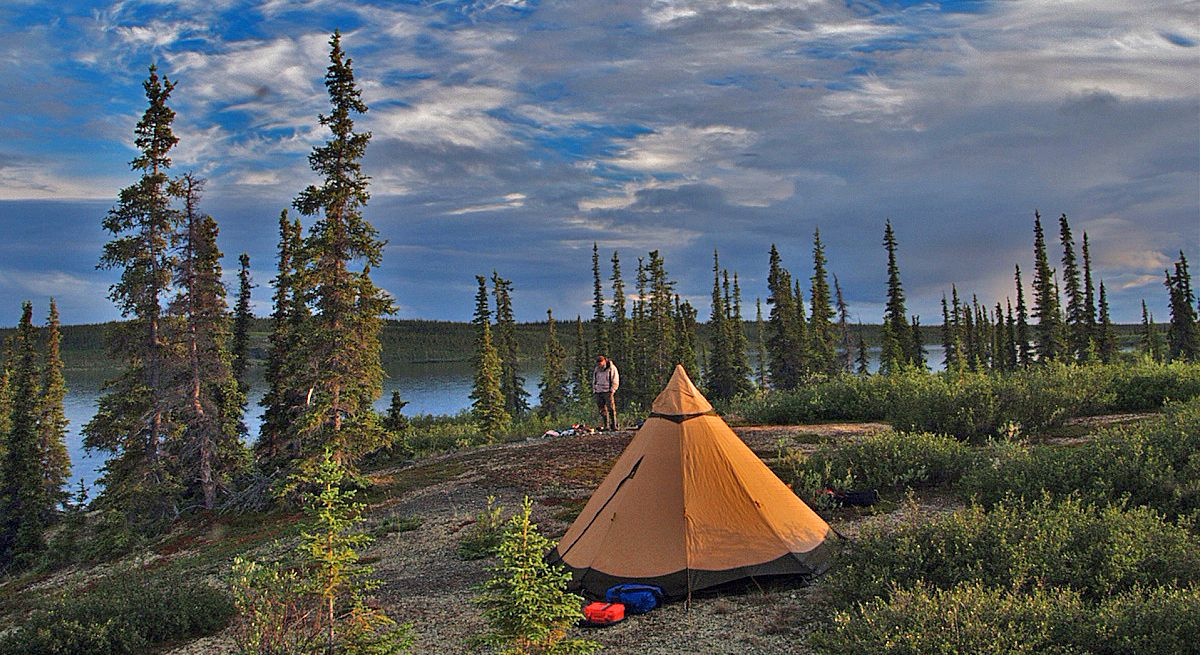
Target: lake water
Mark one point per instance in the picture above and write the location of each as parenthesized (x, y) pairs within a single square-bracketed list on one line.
[(431, 388)]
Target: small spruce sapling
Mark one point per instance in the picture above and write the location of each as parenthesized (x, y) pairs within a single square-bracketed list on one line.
[(528, 609)]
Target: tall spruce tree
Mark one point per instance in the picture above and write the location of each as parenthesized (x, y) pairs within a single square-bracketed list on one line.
[(783, 343), (822, 340), (760, 345), (685, 336), (488, 400), (1089, 289), (843, 313), (1106, 338), (52, 421), (620, 335), (1151, 341), (239, 347), (1078, 323), (23, 501), (133, 419), (1183, 340), (738, 359), (1024, 346), (581, 365), (718, 372), (285, 397), (1049, 328), (950, 342), (660, 324), (553, 394), (861, 360), (512, 385), (897, 348), (1011, 351), (345, 375), (917, 345), (209, 400), (599, 327)]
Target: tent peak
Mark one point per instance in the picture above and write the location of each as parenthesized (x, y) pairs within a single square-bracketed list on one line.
[(680, 396)]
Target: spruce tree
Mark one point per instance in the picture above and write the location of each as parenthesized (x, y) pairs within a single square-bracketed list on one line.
[(581, 366), (1151, 341), (621, 334), (488, 400), (1089, 290), (949, 339), (843, 313), (395, 421), (239, 347), (512, 385), (330, 557), (718, 374), (803, 356), (1011, 350), (1024, 346), (862, 361), (1078, 323), (52, 422), (1106, 338), (23, 501), (760, 344), (133, 419), (660, 324), (554, 389), (739, 365), (284, 398), (1049, 328), (209, 451), (999, 341), (1183, 341), (599, 329), (344, 373), (685, 336), (917, 345), (822, 341), (783, 345), (638, 372), (897, 349), (6, 363), (525, 602)]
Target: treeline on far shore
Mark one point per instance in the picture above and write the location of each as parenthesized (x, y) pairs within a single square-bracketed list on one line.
[(417, 341)]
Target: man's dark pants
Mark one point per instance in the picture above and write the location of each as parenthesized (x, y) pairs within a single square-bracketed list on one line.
[(608, 409)]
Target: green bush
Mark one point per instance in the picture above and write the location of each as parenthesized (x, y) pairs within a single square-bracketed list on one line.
[(978, 620), (127, 613), (885, 460), (1155, 463), (970, 619), (979, 404), (1095, 551), (483, 536), (1161, 620)]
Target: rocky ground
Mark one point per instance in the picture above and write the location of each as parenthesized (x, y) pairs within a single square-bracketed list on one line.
[(427, 584)]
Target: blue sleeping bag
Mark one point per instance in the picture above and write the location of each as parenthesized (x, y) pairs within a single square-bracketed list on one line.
[(637, 598)]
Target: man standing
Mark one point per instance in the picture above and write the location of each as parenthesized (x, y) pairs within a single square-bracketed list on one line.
[(605, 381)]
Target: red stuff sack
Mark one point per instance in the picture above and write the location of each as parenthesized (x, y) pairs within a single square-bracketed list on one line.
[(598, 615)]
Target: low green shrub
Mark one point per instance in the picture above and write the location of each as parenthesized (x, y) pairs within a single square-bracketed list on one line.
[(894, 460), (1155, 463), (972, 405), (974, 619), (1095, 551), (967, 619), (127, 613), (483, 536), (1159, 620)]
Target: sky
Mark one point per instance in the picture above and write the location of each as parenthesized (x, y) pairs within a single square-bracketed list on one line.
[(511, 135)]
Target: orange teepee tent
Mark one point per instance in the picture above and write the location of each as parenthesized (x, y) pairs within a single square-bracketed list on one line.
[(689, 506)]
